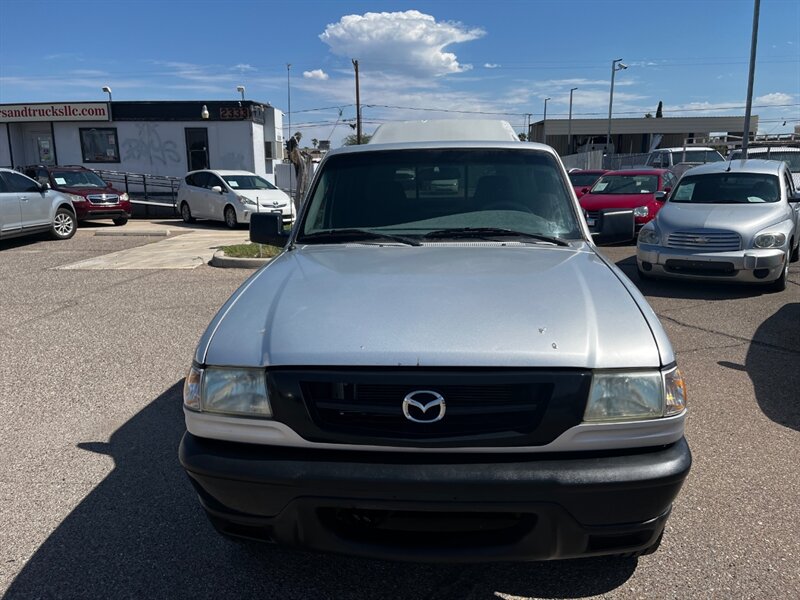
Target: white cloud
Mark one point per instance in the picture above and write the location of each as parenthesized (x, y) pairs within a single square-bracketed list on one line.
[(774, 99), (491, 66), (243, 68), (406, 42), (316, 74)]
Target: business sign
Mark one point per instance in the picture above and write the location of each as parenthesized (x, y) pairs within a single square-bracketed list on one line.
[(65, 111)]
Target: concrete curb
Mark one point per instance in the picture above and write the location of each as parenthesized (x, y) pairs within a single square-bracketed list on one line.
[(139, 233), (229, 262)]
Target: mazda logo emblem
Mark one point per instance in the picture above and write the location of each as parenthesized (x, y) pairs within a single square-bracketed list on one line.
[(422, 401)]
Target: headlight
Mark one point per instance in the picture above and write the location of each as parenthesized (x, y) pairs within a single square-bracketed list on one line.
[(123, 197), (769, 240), (635, 395), (648, 236), (641, 211), (227, 391), (674, 393), (76, 198), (244, 200)]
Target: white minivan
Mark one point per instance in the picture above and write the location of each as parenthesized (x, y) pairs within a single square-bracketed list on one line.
[(231, 197)]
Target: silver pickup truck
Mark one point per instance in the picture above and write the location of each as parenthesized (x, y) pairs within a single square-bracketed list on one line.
[(439, 366)]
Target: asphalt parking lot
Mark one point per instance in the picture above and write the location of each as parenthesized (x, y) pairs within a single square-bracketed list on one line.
[(93, 502)]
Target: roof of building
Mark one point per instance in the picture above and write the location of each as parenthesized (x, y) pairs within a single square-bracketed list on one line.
[(684, 125)]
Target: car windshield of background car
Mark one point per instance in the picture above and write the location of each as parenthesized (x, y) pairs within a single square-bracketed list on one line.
[(727, 188), (414, 192), (583, 179), (77, 179), (700, 156), (248, 182), (787, 156), (626, 184)]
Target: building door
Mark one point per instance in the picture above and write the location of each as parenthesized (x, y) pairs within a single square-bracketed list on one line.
[(197, 148)]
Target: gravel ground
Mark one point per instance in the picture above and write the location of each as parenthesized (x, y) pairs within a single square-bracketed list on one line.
[(93, 502)]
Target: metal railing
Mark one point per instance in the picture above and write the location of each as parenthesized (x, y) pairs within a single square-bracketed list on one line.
[(143, 188), (615, 162)]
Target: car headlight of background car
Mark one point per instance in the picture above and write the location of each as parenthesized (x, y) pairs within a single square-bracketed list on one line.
[(641, 211), (648, 235), (123, 197), (769, 239), (244, 200), (227, 391), (635, 395), (76, 198)]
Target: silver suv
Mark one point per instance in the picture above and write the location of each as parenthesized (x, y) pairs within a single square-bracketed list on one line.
[(439, 366), (27, 207)]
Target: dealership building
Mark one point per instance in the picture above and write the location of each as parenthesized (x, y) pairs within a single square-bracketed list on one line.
[(167, 138)]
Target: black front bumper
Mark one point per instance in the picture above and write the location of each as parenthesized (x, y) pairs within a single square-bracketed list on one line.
[(428, 506)]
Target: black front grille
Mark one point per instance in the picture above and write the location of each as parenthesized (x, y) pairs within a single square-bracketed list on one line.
[(481, 407), (378, 408), (700, 267)]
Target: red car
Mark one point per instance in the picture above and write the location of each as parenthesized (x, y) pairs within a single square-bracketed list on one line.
[(643, 190), (583, 179), (92, 197)]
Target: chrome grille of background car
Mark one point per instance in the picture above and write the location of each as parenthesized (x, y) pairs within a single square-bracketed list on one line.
[(712, 240), (103, 198), (592, 214)]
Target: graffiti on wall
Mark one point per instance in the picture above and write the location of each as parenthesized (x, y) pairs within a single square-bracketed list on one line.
[(149, 147)]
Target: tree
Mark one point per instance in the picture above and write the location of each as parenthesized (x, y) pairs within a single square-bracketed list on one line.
[(314, 142), (523, 137), (351, 140), (648, 116)]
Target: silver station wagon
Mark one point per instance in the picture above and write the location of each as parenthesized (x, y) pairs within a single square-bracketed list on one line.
[(440, 366), (730, 221)]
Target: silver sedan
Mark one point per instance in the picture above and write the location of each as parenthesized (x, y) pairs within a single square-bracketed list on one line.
[(726, 221)]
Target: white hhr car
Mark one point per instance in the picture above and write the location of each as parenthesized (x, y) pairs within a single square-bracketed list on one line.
[(230, 196)]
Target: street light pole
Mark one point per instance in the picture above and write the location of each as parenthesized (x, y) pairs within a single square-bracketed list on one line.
[(544, 122), (240, 89), (750, 77), (614, 69), (569, 123)]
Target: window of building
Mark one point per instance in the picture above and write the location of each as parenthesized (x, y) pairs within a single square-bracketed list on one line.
[(99, 145)]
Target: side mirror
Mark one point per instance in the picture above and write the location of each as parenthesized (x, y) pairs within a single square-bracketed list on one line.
[(661, 196), (584, 190), (217, 188), (614, 226), (267, 228), (43, 186), (108, 185), (795, 198)]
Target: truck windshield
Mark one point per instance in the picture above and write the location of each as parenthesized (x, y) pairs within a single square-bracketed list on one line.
[(699, 156), (727, 188), (417, 192)]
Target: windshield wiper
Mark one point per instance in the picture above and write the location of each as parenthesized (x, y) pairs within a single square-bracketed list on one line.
[(356, 235), (492, 232)]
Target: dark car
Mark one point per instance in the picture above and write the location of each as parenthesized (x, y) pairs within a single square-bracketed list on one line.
[(642, 190), (583, 179), (92, 197)]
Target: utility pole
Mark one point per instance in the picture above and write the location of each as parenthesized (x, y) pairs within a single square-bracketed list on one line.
[(358, 104), (289, 114), (751, 75), (569, 123)]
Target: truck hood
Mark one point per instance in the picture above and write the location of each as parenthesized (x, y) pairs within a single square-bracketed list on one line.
[(443, 305)]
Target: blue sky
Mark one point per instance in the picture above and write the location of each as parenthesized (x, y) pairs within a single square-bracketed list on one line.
[(467, 56)]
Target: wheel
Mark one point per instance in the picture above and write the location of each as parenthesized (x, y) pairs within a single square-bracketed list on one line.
[(795, 256), (230, 217), (186, 213), (64, 224), (643, 275), (780, 283), (120, 221)]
